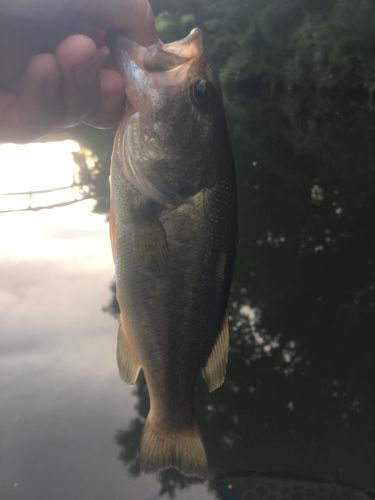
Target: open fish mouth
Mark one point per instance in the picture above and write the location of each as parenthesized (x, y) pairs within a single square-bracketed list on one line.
[(146, 69)]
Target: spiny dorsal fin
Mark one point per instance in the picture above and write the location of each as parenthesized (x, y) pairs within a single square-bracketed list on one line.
[(214, 370), (127, 362)]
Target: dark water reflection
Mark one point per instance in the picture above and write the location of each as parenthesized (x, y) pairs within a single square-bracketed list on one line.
[(299, 397)]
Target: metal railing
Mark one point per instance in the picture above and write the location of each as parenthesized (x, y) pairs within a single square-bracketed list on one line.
[(30, 194)]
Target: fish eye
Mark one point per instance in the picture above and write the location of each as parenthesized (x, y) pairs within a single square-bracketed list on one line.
[(203, 93)]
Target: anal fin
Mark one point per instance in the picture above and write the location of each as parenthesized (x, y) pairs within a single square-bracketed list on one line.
[(127, 362), (215, 367)]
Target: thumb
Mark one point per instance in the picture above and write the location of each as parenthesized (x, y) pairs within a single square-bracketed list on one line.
[(135, 18)]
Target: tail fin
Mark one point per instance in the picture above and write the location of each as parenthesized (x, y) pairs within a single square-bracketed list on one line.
[(183, 451)]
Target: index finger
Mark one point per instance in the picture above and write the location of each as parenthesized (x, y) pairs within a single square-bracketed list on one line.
[(134, 17)]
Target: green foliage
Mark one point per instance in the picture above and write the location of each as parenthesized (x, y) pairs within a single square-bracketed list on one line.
[(302, 44), (335, 51), (167, 26), (266, 48), (172, 27)]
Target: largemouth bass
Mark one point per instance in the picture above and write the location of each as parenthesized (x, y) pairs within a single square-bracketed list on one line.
[(173, 233)]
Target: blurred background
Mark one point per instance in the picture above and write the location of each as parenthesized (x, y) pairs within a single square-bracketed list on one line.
[(296, 416)]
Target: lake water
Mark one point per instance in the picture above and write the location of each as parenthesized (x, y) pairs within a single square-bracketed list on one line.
[(62, 402), (299, 400)]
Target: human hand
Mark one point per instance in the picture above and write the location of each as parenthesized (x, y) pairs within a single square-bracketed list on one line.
[(54, 69)]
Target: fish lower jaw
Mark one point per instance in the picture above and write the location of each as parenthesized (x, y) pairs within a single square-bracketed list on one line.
[(130, 113)]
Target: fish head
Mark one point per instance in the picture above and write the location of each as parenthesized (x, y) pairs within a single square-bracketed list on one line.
[(173, 128)]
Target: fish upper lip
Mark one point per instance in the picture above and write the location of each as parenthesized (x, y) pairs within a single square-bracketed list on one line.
[(190, 47), (175, 53)]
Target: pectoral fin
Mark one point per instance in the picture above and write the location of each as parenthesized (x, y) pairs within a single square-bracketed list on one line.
[(151, 245), (214, 370), (127, 362), (112, 230)]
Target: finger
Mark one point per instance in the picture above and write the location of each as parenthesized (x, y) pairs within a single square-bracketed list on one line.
[(112, 103), (36, 107), (135, 18), (79, 62), (21, 38), (8, 105)]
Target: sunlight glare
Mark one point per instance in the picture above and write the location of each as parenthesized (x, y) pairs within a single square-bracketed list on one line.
[(72, 233), (37, 166)]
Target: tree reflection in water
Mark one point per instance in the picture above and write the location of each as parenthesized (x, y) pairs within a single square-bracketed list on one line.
[(299, 394)]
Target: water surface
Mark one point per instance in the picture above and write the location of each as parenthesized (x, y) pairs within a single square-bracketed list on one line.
[(298, 403), (61, 399)]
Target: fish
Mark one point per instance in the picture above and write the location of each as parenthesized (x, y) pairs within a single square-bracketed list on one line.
[(173, 229)]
